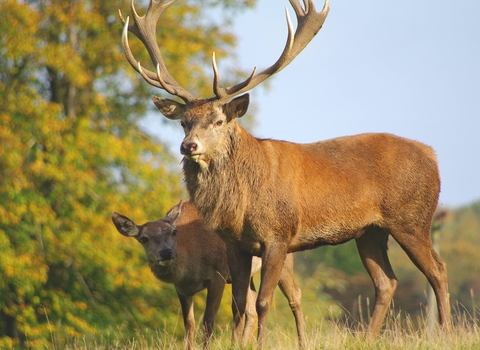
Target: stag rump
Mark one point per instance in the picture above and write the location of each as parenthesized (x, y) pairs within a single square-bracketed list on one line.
[(268, 198)]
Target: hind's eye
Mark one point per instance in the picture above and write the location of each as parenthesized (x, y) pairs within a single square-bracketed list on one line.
[(143, 240), (174, 233), (219, 123), (182, 124)]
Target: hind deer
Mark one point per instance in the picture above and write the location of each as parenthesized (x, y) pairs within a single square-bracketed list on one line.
[(180, 250), (268, 198)]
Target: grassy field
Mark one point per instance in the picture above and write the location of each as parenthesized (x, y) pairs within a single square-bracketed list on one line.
[(400, 332)]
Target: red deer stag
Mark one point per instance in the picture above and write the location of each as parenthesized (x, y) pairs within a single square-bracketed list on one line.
[(182, 251), (268, 198)]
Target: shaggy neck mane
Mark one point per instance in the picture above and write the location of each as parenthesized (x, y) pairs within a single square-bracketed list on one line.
[(222, 191)]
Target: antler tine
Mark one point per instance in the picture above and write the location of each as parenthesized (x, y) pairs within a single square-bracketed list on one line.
[(222, 93), (165, 86), (145, 73), (309, 23), (299, 11), (216, 78), (144, 28), (126, 47), (128, 52)]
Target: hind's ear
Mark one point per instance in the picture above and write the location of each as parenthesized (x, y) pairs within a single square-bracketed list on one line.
[(174, 213), (124, 225)]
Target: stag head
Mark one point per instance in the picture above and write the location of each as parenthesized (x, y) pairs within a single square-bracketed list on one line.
[(210, 121)]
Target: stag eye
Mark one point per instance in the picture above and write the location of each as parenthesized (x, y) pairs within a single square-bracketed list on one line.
[(143, 240), (219, 123), (182, 124), (174, 233)]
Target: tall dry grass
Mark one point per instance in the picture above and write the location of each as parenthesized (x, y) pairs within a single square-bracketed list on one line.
[(399, 332)]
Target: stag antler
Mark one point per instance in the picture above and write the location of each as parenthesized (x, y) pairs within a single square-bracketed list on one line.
[(309, 23), (144, 28)]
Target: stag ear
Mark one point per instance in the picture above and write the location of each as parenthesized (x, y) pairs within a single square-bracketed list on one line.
[(237, 107), (124, 225), (169, 108), (174, 213)]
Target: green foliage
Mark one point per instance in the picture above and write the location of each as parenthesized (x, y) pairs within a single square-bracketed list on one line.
[(343, 257), (459, 242), (71, 153)]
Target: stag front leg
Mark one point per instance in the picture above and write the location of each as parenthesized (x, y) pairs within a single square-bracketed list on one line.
[(273, 259), (240, 266)]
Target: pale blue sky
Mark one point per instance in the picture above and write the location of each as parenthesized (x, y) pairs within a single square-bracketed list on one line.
[(411, 68)]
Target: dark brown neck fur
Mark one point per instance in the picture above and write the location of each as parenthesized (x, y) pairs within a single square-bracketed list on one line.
[(222, 192)]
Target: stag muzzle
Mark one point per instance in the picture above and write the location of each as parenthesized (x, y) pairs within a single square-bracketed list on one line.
[(165, 257), (192, 149), (188, 148)]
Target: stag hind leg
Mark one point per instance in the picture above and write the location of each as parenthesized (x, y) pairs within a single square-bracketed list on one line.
[(372, 246), (294, 296), (417, 243), (251, 318)]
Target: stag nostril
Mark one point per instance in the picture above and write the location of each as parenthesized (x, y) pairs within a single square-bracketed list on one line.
[(188, 148)]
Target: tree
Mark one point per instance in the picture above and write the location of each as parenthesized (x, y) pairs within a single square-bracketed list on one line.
[(459, 241), (72, 152)]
